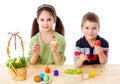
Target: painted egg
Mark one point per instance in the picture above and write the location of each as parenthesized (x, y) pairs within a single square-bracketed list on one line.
[(37, 78), (41, 75), (56, 72), (92, 73), (46, 78)]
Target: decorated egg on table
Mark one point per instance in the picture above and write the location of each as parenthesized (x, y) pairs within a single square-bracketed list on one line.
[(46, 78), (41, 75), (92, 73), (47, 69), (85, 75), (37, 78), (56, 72)]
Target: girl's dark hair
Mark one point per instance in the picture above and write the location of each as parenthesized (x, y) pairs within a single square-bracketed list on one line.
[(91, 17), (58, 26)]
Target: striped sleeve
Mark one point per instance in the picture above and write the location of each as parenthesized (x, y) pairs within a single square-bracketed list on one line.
[(77, 53), (105, 51)]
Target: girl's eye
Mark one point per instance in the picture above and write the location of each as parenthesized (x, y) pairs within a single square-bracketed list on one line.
[(87, 28), (41, 19)]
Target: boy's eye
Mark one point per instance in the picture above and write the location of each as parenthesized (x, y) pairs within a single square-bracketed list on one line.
[(94, 28)]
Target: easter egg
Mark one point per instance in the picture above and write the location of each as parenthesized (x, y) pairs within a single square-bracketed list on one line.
[(92, 73), (97, 43), (54, 42), (85, 75), (41, 75), (47, 69), (56, 72), (46, 78), (37, 78), (18, 61)]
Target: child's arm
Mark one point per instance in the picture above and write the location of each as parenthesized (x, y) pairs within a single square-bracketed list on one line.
[(57, 57), (99, 51), (79, 57), (82, 58), (36, 50), (58, 50), (102, 57)]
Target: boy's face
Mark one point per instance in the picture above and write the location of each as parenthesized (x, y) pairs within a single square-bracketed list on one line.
[(90, 30)]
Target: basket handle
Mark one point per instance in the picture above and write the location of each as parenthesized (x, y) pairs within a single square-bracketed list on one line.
[(8, 46)]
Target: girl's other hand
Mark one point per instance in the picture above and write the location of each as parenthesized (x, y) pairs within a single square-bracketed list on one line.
[(36, 48), (54, 47)]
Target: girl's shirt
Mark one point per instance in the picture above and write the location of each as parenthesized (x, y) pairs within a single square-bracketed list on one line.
[(45, 55), (83, 47)]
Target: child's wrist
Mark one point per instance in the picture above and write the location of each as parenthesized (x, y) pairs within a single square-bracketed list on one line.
[(54, 53)]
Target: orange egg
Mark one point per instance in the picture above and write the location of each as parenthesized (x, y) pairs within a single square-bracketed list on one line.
[(37, 78)]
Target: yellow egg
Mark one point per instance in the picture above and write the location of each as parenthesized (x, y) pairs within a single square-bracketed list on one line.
[(54, 42), (92, 73)]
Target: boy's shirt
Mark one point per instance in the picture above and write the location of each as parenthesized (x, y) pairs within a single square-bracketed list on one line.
[(83, 47)]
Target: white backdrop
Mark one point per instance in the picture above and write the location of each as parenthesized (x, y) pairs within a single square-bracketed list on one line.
[(17, 15)]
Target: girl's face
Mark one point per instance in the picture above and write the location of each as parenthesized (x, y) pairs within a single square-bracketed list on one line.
[(45, 21), (90, 30)]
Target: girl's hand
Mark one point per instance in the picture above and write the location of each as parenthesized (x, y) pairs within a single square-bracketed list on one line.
[(54, 47), (36, 49), (54, 44)]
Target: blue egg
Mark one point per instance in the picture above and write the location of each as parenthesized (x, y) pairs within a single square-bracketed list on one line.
[(41, 75), (56, 72)]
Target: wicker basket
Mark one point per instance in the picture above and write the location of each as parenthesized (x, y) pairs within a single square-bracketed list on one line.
[(17, 74), (20, 73)]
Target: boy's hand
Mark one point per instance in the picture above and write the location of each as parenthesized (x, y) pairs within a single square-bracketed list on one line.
[(98, 50), (97, 47), (84, 57)]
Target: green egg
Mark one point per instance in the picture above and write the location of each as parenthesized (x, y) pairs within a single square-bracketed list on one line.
[(46, 78)]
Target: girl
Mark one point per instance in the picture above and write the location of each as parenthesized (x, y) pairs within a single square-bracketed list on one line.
[(91, 48), (42, 51)]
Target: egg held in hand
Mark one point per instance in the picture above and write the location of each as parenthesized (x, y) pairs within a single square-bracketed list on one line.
[(54, 40)]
